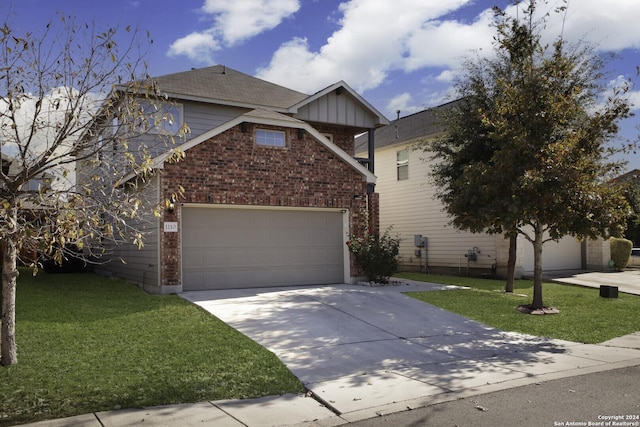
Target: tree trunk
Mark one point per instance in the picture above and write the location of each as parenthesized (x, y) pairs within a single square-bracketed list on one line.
[(511, 263), (537, 268), (8, 347)]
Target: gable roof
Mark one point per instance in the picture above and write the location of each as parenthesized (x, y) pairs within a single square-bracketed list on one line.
[(406, 129), (338, 88), (224, 85), (220, 84), (264, 117), (631, 176)]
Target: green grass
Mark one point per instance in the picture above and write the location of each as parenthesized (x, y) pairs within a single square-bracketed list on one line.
[(584, 316), (87, 343)]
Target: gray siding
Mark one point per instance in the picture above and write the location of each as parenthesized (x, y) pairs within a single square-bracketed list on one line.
[(140, 265), (202, 117), (340, 109), (198, 116)]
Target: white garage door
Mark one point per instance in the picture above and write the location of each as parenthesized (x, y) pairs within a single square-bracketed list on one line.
[(226, 248), (563, 255)]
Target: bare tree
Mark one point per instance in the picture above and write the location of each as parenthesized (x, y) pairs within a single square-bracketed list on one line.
[(71, 94)]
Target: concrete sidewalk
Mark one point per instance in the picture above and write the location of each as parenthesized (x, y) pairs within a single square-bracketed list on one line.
[(363, 352)]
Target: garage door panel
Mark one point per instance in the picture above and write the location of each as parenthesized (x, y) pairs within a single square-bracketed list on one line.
[(228, 247), (192, 258), (215, 257)]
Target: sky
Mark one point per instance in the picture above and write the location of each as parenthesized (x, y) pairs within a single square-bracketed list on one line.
[(400, 55)]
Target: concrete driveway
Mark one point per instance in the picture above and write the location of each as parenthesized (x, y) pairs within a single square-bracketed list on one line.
[(627, 281), (360, 349)]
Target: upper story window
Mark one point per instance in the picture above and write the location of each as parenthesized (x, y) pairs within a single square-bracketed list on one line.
[(329, 136), (402, 164), (270, 138), (163, 118), (34, 185)]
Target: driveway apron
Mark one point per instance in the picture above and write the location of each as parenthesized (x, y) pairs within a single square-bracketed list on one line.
[(358, 347)]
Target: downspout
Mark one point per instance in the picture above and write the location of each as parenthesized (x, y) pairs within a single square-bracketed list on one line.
[(371, 133), (371, 142)]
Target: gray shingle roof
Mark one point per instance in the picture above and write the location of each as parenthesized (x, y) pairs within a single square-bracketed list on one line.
[(227, 86), (405, 129), (271, 115)]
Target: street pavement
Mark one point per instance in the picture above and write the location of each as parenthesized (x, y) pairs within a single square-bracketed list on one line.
[(597, 399), (367, 352)]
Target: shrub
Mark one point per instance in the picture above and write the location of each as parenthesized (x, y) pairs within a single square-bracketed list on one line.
[(620, 252), (376, 255)]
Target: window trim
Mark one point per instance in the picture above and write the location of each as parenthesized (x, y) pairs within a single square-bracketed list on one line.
[(157, 117), (266, 143), (329, 136), (402, 165)]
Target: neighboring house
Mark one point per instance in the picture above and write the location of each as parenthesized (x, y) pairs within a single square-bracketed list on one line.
[(271, 188), (408, 203), (32, 210), (631, 182)]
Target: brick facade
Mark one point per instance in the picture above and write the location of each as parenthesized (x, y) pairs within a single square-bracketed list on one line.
[(342, 136), (231, 169)]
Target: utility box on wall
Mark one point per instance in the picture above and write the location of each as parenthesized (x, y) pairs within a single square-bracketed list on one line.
[(420, 242)]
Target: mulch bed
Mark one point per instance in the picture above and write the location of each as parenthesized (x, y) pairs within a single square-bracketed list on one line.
[(528, 309)]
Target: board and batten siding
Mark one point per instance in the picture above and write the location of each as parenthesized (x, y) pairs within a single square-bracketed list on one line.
[(140, 265), (340, 109), (410, 208)]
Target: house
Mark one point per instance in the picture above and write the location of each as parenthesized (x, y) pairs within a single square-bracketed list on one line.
[(32, 207), (631, 183), (271, 188), (429, 242)]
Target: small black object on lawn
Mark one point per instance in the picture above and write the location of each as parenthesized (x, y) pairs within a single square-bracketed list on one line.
[(608, 291)]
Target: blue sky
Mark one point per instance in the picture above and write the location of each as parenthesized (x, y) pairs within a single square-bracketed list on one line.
[(399, 54)]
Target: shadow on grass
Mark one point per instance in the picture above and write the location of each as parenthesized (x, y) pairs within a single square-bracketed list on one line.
[(86, 343)]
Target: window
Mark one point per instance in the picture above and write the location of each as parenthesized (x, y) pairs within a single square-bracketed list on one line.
[(270, 138), (163, 118), (402, 164), (329, 136), (34, 185)]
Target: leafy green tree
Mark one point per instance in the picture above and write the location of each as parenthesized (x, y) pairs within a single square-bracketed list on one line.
[(526, 148), (62, 101), (632, 194)]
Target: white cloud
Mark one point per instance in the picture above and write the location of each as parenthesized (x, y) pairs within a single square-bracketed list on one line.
[(239, 20), (377, 38), (198, 47), (373, 40), (233, 22), (611, 27), (402, 103), (447, 76), (634, 99), (447, 43), (621, 86)]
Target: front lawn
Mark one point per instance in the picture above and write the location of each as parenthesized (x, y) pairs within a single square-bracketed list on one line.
[(88, 343), (584, 316)]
